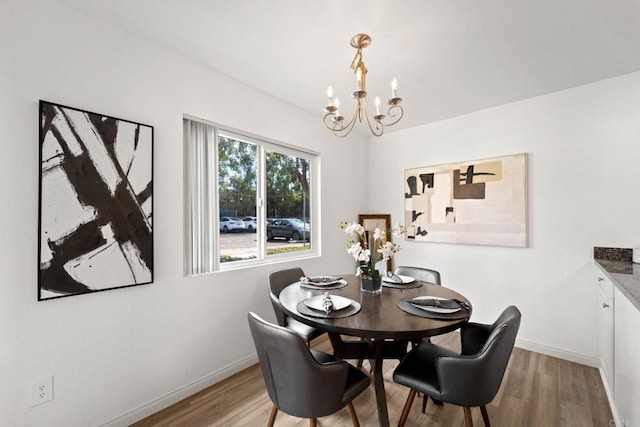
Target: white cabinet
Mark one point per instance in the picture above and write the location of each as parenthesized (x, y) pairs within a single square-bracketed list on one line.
[(626, 359), (605, 330)]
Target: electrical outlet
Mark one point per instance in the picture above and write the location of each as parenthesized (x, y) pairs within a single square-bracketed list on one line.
[(42, 390)]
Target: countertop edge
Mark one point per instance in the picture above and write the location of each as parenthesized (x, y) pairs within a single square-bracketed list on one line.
[(616, 271)]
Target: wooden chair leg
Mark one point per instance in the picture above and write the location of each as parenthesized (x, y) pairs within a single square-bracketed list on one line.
[(485, 416), (424, 403), (467, 417), (272, 417), (407, 407), (313, 422), (354, 416)]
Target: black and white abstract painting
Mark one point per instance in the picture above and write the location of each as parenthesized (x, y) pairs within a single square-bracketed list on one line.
[(96, 187)]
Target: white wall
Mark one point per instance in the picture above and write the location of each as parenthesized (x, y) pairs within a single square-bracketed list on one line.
[(583, 147), (115, 351)]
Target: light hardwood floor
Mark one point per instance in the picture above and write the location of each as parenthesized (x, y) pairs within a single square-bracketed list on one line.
[(537, 390)]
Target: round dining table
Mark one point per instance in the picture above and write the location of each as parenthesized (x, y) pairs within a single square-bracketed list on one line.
[(385, 329)]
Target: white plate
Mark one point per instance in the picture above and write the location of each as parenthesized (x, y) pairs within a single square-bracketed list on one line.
[(405, 279), (321, 280), (338, 302), (435, 309)]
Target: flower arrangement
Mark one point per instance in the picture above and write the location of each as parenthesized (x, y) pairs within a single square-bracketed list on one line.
[(370, 249)]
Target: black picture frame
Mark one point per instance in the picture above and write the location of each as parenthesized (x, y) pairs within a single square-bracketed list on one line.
[(95, 229)]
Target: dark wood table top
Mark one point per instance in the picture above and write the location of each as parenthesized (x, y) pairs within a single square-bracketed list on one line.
[(380, 317)]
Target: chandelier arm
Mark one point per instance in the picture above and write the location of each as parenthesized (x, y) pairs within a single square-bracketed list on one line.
[(391, 113), (337, 127), (333, 124), (351, 123), (378, 129)]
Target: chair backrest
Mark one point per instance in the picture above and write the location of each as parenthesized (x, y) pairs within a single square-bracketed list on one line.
[(474, 380), (278, 280), (419, 273), (297, 384)]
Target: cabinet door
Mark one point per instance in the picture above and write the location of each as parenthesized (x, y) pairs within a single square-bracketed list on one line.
[(605, 335), (627, 359)]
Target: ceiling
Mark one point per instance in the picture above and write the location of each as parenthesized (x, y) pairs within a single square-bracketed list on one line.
[(450, 57)]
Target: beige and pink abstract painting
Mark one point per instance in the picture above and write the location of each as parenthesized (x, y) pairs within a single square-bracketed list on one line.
[(480, 202)]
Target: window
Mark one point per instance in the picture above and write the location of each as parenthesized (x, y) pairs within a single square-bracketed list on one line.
[(248, 200)]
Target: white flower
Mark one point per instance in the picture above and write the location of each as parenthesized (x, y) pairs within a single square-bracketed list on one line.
[(377, 233), (365, 255), (356, 250), (388, 249), (354, 228)]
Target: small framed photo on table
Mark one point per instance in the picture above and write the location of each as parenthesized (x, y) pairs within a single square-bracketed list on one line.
[(382, 221)]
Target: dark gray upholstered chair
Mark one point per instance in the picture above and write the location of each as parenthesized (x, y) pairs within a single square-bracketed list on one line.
[(423, 275), (469, 379), (278, 280), (303, 382), (419, 273)]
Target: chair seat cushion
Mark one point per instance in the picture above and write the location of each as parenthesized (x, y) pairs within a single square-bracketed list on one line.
[(357, 380), (418, 369)]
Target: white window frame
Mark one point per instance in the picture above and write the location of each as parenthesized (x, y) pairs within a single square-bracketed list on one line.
[(202, 229)]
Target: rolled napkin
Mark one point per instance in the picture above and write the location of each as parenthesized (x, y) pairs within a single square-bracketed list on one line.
[(327, 303), (394, 277), (440, 302)]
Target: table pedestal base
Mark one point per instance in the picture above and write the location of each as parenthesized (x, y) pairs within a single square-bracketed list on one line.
[(375, 351)]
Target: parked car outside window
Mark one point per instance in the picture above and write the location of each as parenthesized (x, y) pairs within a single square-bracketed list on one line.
[(250, 224), (288, 228), (231, 223)]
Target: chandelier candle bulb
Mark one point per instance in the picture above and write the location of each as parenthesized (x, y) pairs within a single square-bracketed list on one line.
[(336, 104), (394, 88), (330, 95), (377, 106)]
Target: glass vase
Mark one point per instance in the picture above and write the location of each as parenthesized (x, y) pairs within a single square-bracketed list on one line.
[(372, 285)]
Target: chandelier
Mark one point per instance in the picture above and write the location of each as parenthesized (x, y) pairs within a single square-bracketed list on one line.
[(336, 123)]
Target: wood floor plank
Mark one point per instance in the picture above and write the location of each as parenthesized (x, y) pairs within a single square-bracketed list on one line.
[(537, 390)]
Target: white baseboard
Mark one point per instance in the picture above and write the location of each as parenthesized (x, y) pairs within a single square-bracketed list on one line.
[(560, 354), (177, 395)]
